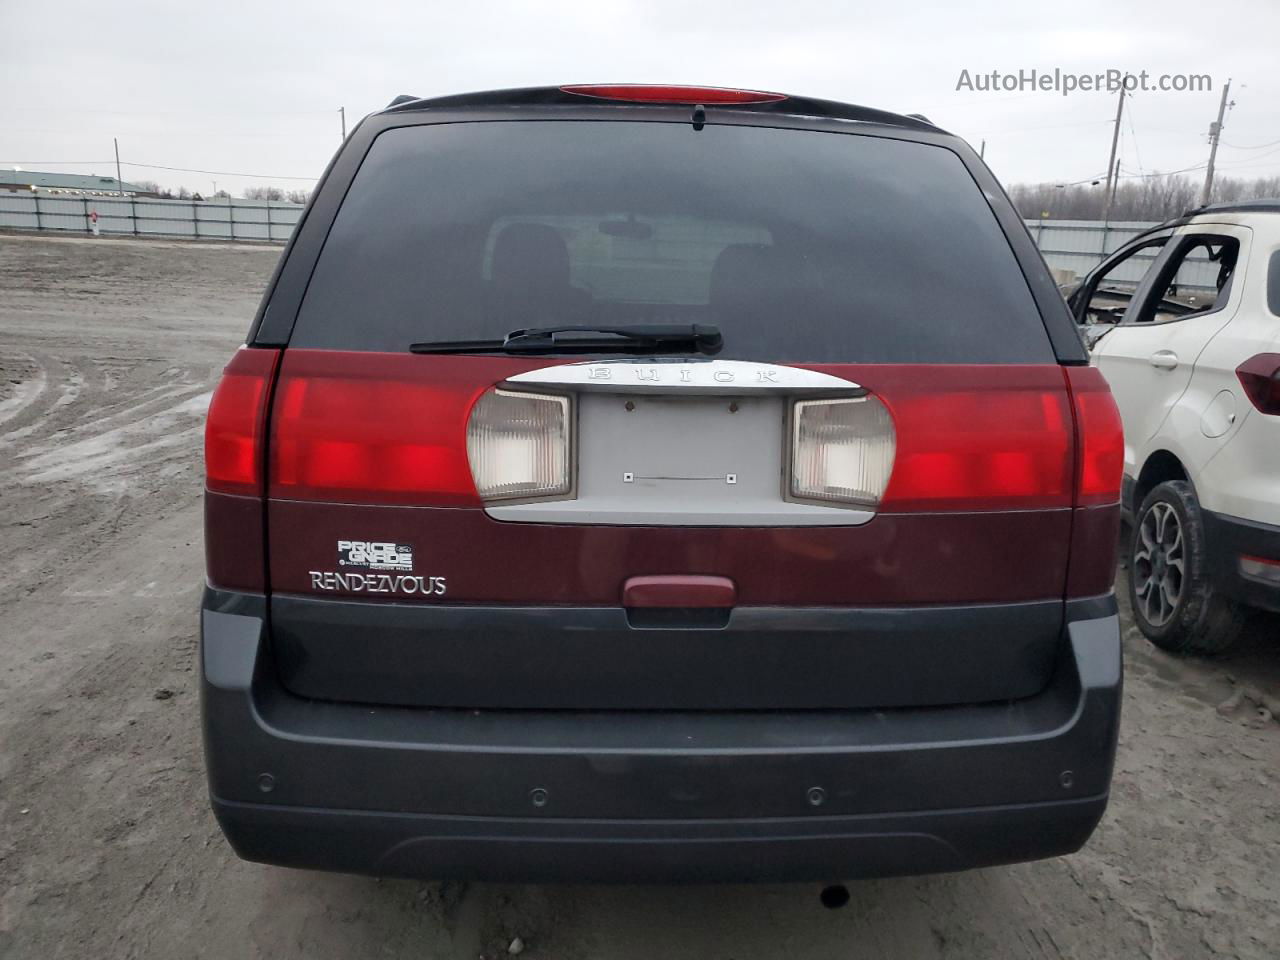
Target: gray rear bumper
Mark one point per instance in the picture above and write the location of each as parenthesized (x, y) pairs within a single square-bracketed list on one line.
[(543, 795)]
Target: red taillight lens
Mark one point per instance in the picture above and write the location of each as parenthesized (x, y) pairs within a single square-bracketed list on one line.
[(1260, 377), (1100, 438), (976, 438), (236, 425), (377, 427), (648, 93)]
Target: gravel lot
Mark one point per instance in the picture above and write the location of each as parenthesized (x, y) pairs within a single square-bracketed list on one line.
[(108, 351)]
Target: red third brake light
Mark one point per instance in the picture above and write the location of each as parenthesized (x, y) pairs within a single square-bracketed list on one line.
[(649, 93), (1260, 377), (235, 427)]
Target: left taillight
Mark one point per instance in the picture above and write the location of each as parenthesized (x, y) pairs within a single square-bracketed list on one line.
[(1260, 377), (236, 425), (234, 462)]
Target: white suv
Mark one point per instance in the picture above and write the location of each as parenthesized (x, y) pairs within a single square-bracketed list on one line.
[(1184, 321)]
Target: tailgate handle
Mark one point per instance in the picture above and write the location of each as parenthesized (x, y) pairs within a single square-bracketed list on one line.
[(679, 590)]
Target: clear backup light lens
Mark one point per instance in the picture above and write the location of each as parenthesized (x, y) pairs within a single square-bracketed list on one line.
[(518, 445), (841, 450)]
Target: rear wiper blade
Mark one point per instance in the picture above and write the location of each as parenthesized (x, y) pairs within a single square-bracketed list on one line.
[(638, 339)]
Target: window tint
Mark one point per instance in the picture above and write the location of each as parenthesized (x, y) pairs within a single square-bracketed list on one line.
[(799, 245), (1197, 280)]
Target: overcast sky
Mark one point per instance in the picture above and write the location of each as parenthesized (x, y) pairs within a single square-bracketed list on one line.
[(254, 88)]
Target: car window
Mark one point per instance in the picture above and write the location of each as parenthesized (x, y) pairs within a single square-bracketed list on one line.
[(1111, 293), (621, 258), (1197, 280), (800, 245)]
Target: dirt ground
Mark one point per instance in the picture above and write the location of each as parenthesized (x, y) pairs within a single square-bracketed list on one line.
[(108, 351)]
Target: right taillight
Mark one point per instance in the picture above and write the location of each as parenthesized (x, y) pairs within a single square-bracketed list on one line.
[(971, 438), (1260, 377), (519, 445), (1099, 438), (841, 450)]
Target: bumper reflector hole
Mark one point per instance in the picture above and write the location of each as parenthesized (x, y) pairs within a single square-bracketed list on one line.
[(539, 797), (816, 796), (266, 783), (835, 896), (1067, 779)]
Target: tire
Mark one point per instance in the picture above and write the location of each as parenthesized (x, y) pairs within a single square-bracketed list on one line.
[(1173, 602)]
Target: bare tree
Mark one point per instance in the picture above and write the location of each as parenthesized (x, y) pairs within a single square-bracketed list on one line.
[(1153, 198), (263, 193), (297, 196)]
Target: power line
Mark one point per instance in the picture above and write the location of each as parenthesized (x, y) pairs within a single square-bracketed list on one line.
[(217, 173), (1269, 153), (1134, 134), (1163, 173), (1238, 164), (1261, 146), (1076, 183)]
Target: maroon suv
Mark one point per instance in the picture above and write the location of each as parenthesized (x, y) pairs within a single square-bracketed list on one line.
[(654, 483)]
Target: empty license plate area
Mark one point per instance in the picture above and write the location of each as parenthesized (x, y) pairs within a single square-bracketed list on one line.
[(680, 459)]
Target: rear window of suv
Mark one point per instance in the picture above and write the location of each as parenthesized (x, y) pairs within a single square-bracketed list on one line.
[(801, 246)]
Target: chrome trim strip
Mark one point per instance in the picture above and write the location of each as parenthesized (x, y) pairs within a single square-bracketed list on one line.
[(682, 375)]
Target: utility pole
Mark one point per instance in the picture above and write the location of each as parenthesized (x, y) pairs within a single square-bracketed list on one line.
[(1215, 132), (1115, 142), (119, 181), (1114, 180), (342, 112)]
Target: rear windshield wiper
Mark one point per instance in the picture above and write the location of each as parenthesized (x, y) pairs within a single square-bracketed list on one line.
[(638, 339)]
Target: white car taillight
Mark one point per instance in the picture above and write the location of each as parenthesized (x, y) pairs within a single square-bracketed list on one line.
[(841, 450), (518, 445)]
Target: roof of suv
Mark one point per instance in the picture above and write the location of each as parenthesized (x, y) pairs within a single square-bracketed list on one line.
[(1210, 210), (1241, 206), (576, 95)]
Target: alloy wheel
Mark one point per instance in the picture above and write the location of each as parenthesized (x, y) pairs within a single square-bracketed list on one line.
[(1158, 564)]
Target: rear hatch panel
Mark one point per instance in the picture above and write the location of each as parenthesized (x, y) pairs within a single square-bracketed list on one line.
[(867, 255)]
